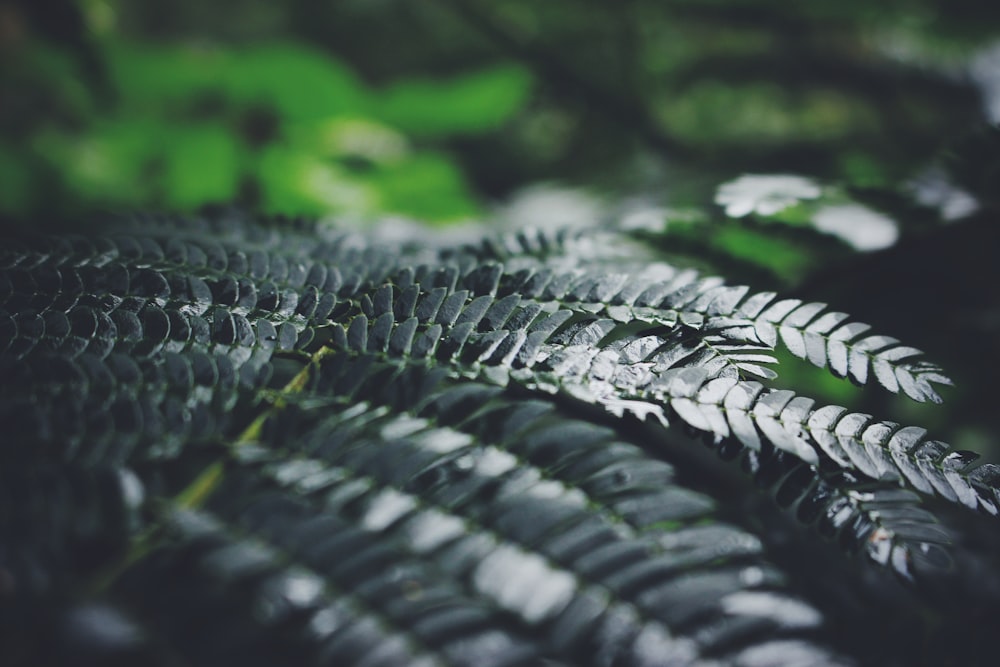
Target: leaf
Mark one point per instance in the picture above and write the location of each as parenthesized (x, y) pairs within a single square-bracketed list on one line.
[(466, 104), (300, 83), (200, 165)]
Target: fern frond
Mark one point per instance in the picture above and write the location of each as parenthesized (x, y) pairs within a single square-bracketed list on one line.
[(875, 517), (810, 331), (357, 452), (751, 413), (616, 363), (887, 525), (611, 531), (827, 339)]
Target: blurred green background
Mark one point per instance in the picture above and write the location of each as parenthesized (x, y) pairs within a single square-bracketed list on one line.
[(174, 105), (555, 112), (435, 108)]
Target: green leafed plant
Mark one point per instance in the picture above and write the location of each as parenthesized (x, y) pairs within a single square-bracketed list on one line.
[(233, 441), (277, 126)]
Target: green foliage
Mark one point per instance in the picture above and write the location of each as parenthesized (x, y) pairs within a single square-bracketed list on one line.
[(280, 441), (143, 160), (466, 105), (284, 127)]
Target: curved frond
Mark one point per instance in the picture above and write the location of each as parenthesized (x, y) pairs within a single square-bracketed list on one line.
[(827, 339), (752, 414)]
